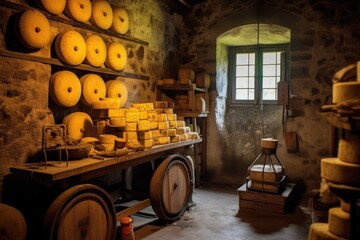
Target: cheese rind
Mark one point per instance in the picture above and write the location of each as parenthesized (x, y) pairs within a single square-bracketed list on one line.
[(118, 122), (339, 222), (335, 170), (343, 91), (349, 150), (320, 231), (65, 88), (93, 88)]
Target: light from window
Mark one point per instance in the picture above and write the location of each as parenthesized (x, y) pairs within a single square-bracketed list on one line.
[(271, 71), (245, 76)]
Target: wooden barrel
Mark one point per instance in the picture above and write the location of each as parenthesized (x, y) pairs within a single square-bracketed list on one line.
[(171, 187), (12, 223), (81, 212)]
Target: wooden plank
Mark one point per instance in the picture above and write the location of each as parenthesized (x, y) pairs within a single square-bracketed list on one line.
[(133, 209), (262, 206)]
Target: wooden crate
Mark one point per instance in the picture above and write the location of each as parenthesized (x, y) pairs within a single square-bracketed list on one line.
[(271, 202)]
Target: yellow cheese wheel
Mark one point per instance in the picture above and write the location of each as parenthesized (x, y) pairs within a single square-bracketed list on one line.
[(339, 222), (95, 50), (78, 125), (121, 21), (106, 103), (349, 150), (53, 7), (79, 10), (343, 91), (202, 80), (34, 29), (269, 143), (117, 89), (107, 138), (116, 58), (102, 14), (65, 88), (320, 231), (335, 170), (70, 47), (93, 88), (186, 73)]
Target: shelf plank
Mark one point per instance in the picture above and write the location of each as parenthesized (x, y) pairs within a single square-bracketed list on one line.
[(180, 88), (53, 61), (192, 114)]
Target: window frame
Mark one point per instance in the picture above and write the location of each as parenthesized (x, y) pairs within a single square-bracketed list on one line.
[(258, 50)]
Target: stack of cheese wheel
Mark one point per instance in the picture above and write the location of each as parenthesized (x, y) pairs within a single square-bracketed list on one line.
[(343, 170), (78, 125), (65, 88), (116, 58), (120, 22), (93, 88), (346, 84), (51, 6), (116, 89), (95, 50), (186, 75), (102, 14), (33, 29), (78, 10), (70, 47)]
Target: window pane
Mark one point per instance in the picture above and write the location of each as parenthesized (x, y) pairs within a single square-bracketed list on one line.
[(251, 94), (252, 58), (269, 70), (242, 59), (251, 82), (242, 82), (269, 94), (269, 58), (252, 71), (242, 71), (242, 94), (269, 82)]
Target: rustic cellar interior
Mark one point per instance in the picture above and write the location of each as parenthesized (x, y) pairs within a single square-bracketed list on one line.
[(179, 119)]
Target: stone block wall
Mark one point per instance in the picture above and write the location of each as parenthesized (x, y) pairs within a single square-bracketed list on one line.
[(324, 38)]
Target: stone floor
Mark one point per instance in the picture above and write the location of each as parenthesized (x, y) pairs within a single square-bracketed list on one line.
[(217, 216)]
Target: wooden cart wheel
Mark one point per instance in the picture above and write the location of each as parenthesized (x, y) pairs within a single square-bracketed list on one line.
[(81, 212), (171, 187)]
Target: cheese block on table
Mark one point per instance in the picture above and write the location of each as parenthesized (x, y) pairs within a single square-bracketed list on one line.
[(175, 139), (349, 150), (161, 140), (147, 143), (144, 125), (145, 135), (180, 124), (93, 88), (153, 125), (181, 130), (343, 91), (193, 135), (120, 143), (184, 137), (173, 124), (131, 135), (320, 231), (106, 103), (65, 88), (79, 10), (116, 57), (163, 125), (152, 115), (172, 132), (156, 133), (339, 222), (107, 138), (171, 117), (121, 21), (117, 113), (143, 115), (132, 117), (70, 47), (131, 126), (101, 14), (144, 106), (160, 104), (117, 89), (337, 171), (118, 121), (162, 117), (95, 50)]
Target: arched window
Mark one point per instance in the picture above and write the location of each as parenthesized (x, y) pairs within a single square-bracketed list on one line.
[(258, 59)]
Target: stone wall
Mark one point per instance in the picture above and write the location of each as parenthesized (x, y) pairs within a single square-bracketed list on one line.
[(324, 38), (24, 103)]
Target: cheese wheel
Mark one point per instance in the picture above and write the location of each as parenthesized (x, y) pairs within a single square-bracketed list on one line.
[(343, 91), (106, 103), (117, 89), (95, 50), (70, 47), (339, 222), (34, 29), (101, 14), (186, 73), (93, 88), (349, 150), (269, 143), (202, 80), (78, 125), (107, 138), (53, 7), (320, 231), (78, 10), (121, 21), (65, 88), (266, 173), (335, 170), (116, 56)]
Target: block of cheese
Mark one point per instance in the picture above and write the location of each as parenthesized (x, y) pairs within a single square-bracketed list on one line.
[(320, 231), (120, 143), (193, 135), (145, 135), (159, 110), (160, 104), (269, 143), (143, 115), (161, 140), (132, 143), (349, 150), (164, 133), (106, 103), (153, 125), (163, 125), (180, 124), (118, 122), (171, 132), (173, 124), (152, 115), (169, 111), (132, 117), (147, 143), (343, 91), (162, 117), (143, 106), (175, 139), (131, 135), (339, 222), (131, 126), (266, 173), (184, 137), (107, 139), (144, 125), (187, 129), (108, 146), (181, 130), (335, 170), (171, 117), (117, 113), (156, 133)]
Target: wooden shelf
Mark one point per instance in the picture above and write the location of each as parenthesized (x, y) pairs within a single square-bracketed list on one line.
[(180, 88), (195, 114)]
